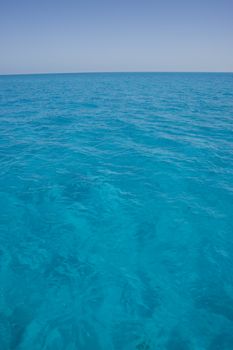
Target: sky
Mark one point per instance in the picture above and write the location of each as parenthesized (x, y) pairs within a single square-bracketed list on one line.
[(49, 36)]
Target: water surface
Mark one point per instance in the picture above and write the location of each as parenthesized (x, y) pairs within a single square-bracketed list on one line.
[(116, 212)]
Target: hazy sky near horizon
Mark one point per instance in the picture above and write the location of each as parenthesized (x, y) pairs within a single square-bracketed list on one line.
[(115, 35)]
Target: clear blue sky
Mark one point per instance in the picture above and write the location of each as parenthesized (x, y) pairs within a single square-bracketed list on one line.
[(115, 35)]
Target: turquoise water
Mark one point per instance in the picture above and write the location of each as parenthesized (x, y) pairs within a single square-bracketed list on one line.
[(116, 212)]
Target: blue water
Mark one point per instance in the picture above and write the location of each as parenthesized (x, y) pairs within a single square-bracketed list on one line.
[(116, 212)]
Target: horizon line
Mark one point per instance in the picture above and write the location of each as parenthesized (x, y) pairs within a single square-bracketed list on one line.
[(115, 72)]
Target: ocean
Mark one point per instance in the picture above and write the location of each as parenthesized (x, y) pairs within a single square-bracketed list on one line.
[(116, 211)]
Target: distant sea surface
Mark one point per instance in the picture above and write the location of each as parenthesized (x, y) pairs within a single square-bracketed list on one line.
[(116, 212)]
